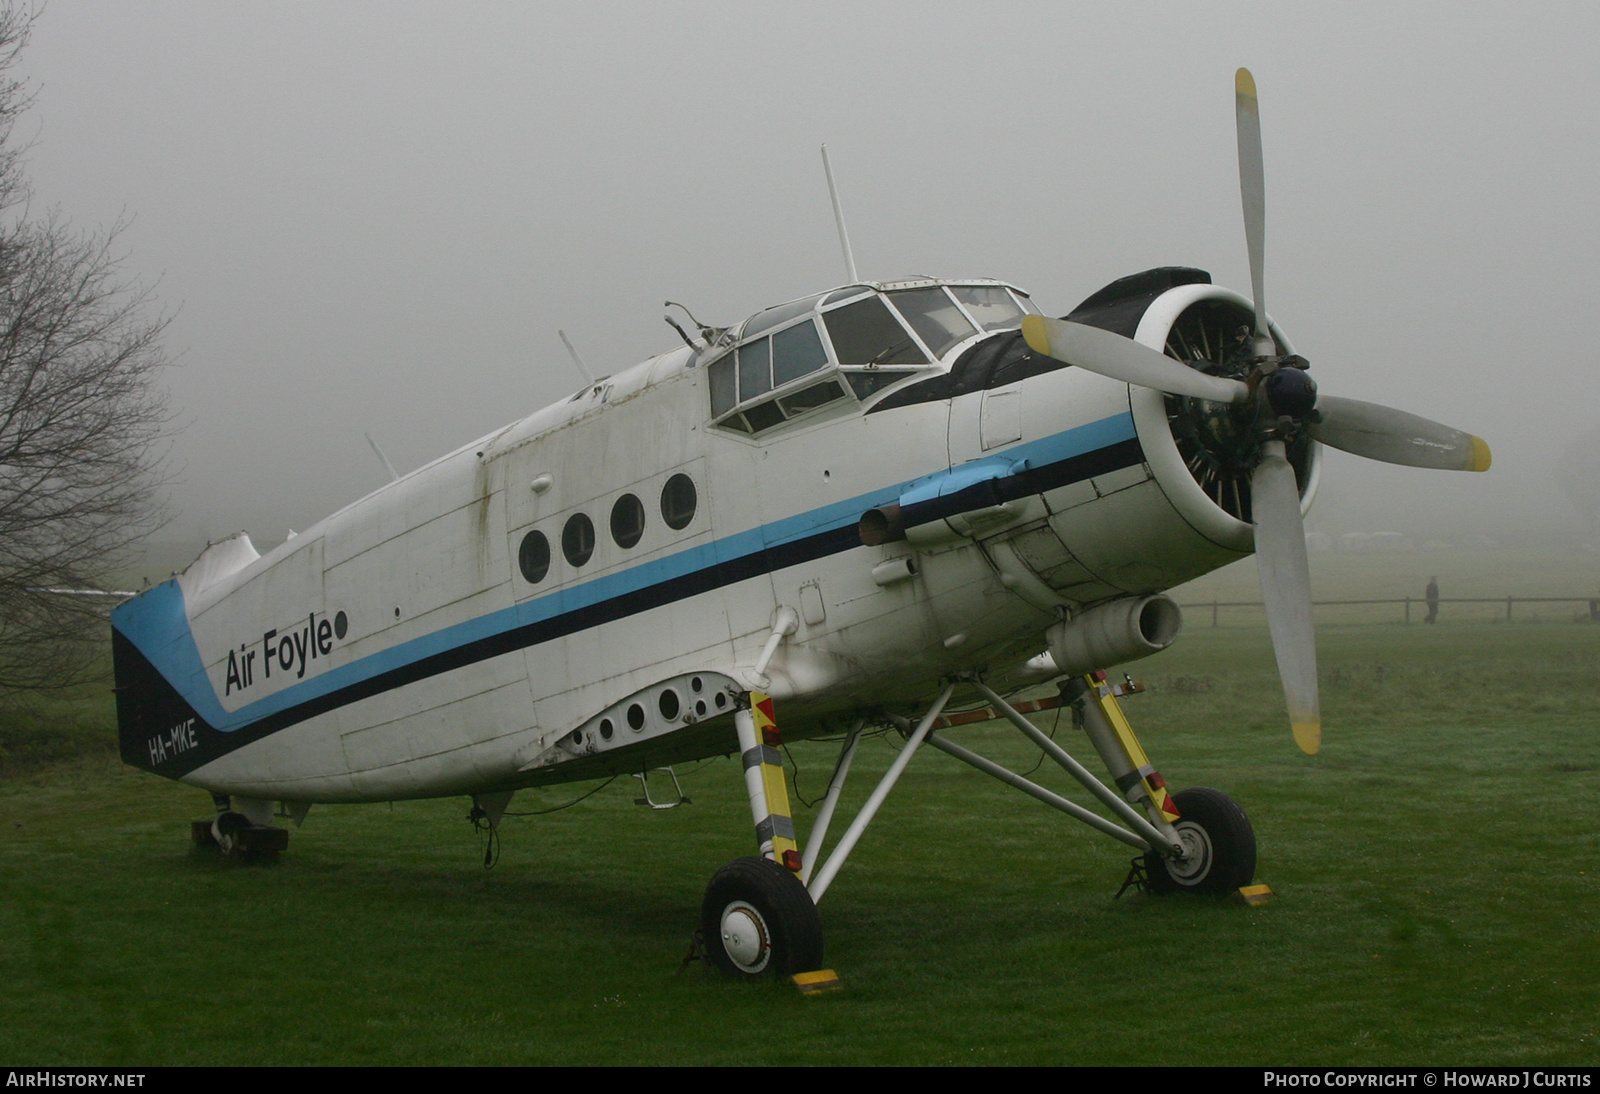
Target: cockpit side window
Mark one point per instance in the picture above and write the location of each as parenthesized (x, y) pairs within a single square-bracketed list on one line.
[(869, 383), (755, 368), (809, 398), (797, 352), (771, 364), (997, 361), (724, 385)]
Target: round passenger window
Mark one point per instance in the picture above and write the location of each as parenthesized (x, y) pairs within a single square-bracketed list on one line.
[(678, 501), (627, 520), (533, 557), (577, 539)]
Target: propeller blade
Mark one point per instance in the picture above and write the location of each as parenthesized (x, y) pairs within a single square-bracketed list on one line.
[(1252, 188), (1286, 590), (1393, 436), (1100, 351)]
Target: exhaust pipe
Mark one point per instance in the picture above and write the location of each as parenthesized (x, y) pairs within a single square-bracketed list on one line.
[(1123, 630)]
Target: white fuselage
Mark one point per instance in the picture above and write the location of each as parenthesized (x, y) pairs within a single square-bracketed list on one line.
[(399, 649)]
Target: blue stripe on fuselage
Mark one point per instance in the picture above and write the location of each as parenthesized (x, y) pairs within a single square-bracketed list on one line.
[(157, 624)]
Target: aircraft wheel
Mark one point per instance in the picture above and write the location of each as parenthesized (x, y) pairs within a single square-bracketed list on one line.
[(757, 919), (241, 840), (1220, 846), (227, 829)]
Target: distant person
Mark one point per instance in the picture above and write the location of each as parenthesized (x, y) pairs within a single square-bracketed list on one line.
[(1432, 597)]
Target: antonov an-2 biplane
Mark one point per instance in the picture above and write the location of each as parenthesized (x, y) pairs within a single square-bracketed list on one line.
[(839, 513)]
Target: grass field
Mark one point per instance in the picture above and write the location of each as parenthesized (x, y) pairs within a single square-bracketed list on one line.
[(1436, 872)]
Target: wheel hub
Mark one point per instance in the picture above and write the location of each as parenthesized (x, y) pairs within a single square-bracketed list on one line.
[(1191, 867), (745, 938)]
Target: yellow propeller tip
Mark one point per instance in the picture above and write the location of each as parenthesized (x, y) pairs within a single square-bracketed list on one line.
[(1308, 735), (1481, 457), (1034, 333), (1244, 83)]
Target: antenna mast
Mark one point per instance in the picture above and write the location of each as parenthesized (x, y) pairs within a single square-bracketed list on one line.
[(838, 218), (583, 368), (394, 476)]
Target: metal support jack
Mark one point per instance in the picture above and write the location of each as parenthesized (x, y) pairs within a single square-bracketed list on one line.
[(1138, 878)]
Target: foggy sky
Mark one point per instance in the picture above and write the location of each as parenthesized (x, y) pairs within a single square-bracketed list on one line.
[(373, 218)]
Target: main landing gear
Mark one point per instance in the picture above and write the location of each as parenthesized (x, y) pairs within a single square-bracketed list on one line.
[(1198, 840), (759, 915), (1219, 847), (757, 918)]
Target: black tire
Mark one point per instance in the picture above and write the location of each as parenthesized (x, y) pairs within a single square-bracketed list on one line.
[(757, 919), (1222, 843)]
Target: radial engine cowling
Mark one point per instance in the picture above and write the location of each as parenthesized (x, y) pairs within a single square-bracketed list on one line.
[(1203, 454), (1123, 630)]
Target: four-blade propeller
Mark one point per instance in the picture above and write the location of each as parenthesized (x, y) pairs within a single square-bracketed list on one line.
[(1286, 405)]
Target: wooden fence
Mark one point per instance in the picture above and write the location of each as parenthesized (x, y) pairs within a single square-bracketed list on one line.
[(1592, 604)]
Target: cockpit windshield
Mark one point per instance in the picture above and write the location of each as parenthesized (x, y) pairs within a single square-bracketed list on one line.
[(992, 306), (866, 333), (933, 315)]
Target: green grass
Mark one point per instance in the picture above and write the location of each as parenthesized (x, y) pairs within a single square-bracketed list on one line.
[(1436, 872), (41, 731)]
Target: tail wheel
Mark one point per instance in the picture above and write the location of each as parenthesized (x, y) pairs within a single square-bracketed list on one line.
[(240, 839), (227, 829), (1219, 846), (757, 919)]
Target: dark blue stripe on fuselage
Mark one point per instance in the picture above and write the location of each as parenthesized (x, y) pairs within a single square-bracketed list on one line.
[(148, 703)]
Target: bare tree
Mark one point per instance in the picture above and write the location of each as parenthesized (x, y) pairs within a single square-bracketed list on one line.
[(81, 418)]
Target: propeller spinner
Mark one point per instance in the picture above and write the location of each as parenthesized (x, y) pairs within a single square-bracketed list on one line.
[(1248, 423)]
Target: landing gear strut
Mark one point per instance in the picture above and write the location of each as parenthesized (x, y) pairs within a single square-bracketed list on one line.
[(757, 918), (1195, 841)]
